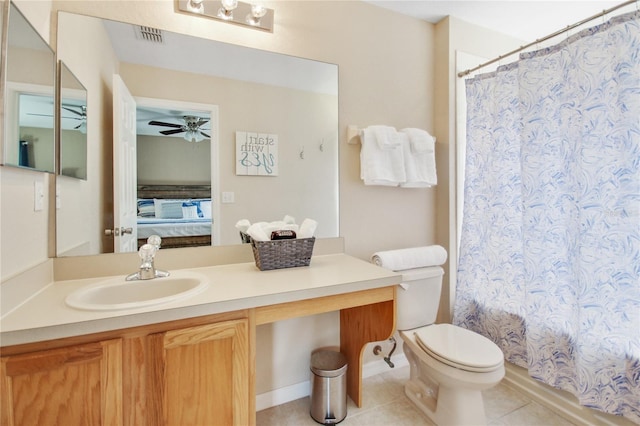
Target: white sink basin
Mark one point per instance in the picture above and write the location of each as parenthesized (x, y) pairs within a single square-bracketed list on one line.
[(116, 293)]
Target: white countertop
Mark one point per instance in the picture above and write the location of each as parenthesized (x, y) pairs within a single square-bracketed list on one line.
[(46, 316)]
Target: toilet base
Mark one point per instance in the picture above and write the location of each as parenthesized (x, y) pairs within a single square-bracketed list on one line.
[(447, 395), (449, 407)]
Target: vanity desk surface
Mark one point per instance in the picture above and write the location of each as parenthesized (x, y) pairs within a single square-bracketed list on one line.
[(46, 316), (362, 292)]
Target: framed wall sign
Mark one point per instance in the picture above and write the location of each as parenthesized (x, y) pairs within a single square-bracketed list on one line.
[(256, 154)]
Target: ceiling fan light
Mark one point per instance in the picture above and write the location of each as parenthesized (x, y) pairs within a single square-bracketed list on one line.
[(193, 136)]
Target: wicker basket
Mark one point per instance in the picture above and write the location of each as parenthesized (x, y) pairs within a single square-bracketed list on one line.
[(280, 254), (245, 238)]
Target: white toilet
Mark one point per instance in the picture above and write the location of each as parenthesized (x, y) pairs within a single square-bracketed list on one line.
[(450, 366)]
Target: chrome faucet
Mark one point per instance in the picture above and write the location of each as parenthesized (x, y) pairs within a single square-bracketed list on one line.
[(147, 269)]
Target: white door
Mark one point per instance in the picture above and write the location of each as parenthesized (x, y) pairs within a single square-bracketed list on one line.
[(125, 207)]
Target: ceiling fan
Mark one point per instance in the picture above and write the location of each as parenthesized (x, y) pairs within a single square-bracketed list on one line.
[(191, 128), (79, 115)]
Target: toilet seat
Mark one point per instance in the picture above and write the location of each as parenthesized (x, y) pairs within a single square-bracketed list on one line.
[(459, 347)]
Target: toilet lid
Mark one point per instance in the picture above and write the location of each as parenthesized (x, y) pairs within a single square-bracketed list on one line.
[(459, 347)]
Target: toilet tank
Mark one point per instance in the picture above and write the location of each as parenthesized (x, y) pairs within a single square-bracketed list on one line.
[(418, 297)]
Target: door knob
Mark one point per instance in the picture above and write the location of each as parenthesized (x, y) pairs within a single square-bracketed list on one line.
[(117, 232)]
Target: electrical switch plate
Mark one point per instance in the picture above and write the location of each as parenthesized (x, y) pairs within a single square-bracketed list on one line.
[(228, 197), (38, 196)]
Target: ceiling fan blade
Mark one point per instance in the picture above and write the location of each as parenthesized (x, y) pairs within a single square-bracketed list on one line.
[(171, 132), (161, 123), (204, 134), (72, 110), (40, 115), (202, 121)]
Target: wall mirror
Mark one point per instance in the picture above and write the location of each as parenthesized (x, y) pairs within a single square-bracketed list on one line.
[(29, 71), (219, 92), (73, 124)]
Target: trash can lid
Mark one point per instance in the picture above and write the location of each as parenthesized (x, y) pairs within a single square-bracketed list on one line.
[(328, 363)]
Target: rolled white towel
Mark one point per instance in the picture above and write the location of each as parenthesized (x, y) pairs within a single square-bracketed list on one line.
[(307, 228), (242, 225), (258, 231), (289, 220), (410, 258)]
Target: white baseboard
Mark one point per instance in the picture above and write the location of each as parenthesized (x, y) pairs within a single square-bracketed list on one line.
[(283, 395), (302, 389)]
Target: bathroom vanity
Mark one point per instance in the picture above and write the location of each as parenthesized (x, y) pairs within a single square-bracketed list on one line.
[(189, 361)]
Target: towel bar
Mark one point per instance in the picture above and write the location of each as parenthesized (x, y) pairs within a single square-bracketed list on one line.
[(353, 134)]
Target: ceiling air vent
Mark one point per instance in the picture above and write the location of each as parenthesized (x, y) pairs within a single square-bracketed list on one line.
[(153, 35)]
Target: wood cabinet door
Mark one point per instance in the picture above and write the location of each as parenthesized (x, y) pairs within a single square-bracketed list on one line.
[(200, 375), (76, 385)]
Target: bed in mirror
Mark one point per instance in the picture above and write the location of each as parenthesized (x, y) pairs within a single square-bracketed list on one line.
[(29, 89)]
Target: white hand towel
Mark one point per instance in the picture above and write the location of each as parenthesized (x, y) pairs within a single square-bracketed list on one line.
[(386, 136), (307, 228), (410, 258), (380, 166), (419, 157)]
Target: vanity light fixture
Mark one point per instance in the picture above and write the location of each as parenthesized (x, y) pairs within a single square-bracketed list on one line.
[(252, 15)]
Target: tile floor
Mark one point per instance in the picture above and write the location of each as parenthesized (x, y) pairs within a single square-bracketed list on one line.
[(386, 404)]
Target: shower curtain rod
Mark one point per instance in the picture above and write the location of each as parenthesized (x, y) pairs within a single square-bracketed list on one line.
[(557, 33)]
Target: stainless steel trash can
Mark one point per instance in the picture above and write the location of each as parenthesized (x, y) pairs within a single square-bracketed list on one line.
[(328, 387)]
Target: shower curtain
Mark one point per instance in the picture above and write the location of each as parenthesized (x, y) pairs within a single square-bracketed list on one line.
[(549, 264)]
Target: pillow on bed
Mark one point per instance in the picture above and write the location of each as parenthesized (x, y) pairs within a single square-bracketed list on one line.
[(146, 208), (189, 211), (168, 209), (205, 207)]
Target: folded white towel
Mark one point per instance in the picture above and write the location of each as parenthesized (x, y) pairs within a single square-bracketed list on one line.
[(307, 228), (242, 225), (410, 258), (381, 166), (419, 158), (258, 231)]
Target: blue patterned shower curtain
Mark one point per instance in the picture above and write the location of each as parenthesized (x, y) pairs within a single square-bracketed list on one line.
[(549, 264)]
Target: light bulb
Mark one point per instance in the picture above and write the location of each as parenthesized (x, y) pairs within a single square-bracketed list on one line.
[(258, 10), (229, 4), (226, 11), (195, 6)]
